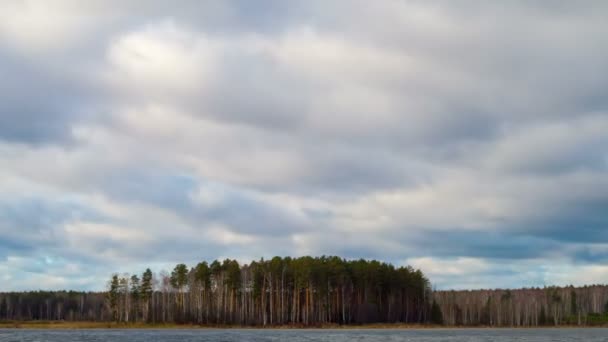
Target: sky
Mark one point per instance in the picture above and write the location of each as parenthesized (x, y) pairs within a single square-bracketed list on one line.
[(468, 139)]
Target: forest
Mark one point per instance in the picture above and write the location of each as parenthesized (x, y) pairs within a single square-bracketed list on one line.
[(303, 291), (549, 306)]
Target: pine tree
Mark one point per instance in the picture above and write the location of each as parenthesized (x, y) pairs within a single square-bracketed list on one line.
[(113, 296), (436, 314), (179, 279), (146, 292), (542, 319), (135, 296), (573, 303)]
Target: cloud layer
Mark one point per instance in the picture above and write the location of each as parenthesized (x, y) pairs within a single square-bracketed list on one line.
[(470, 140)]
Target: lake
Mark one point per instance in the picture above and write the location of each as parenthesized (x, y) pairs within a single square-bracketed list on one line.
[(254, 335)]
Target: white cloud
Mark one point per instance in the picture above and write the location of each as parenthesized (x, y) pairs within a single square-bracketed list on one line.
[(43, 27), (224, 236), (455, 267), (162, 59)]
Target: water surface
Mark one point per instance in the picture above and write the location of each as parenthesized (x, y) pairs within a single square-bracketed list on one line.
[(342, 335)]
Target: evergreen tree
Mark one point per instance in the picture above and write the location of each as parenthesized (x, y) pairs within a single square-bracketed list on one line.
[(573, 303), (179, 277), (436, 314), (542, 319), (179, 280), (146, 292), (113, 296), (135, 295)]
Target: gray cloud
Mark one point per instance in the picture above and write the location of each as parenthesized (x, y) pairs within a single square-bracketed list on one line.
[(471, 135), (29, 225), (34, 106)]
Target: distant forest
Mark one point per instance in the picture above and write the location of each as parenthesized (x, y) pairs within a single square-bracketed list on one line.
[(549, 306), (305, 291)]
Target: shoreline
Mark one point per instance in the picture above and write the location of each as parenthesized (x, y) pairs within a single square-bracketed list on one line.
[(149, 326)]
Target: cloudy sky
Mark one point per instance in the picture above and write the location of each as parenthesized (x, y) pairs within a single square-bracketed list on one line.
[(466, 138)]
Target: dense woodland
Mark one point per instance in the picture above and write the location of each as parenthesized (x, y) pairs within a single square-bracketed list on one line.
[(305, 291), (586, 305)]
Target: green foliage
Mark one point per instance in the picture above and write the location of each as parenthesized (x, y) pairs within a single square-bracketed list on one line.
[(542, 319), (597, 319), (135, 287), (506, 297), (436, 314), (146, 287), (113, 295), (179, 276), (233, 273), (202, 274)]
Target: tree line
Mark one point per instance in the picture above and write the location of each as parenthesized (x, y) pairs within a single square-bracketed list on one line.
[(531, 307), (306, 291)]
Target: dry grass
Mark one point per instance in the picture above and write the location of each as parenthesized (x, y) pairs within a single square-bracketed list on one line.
[(108, 325), (87, 325)]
